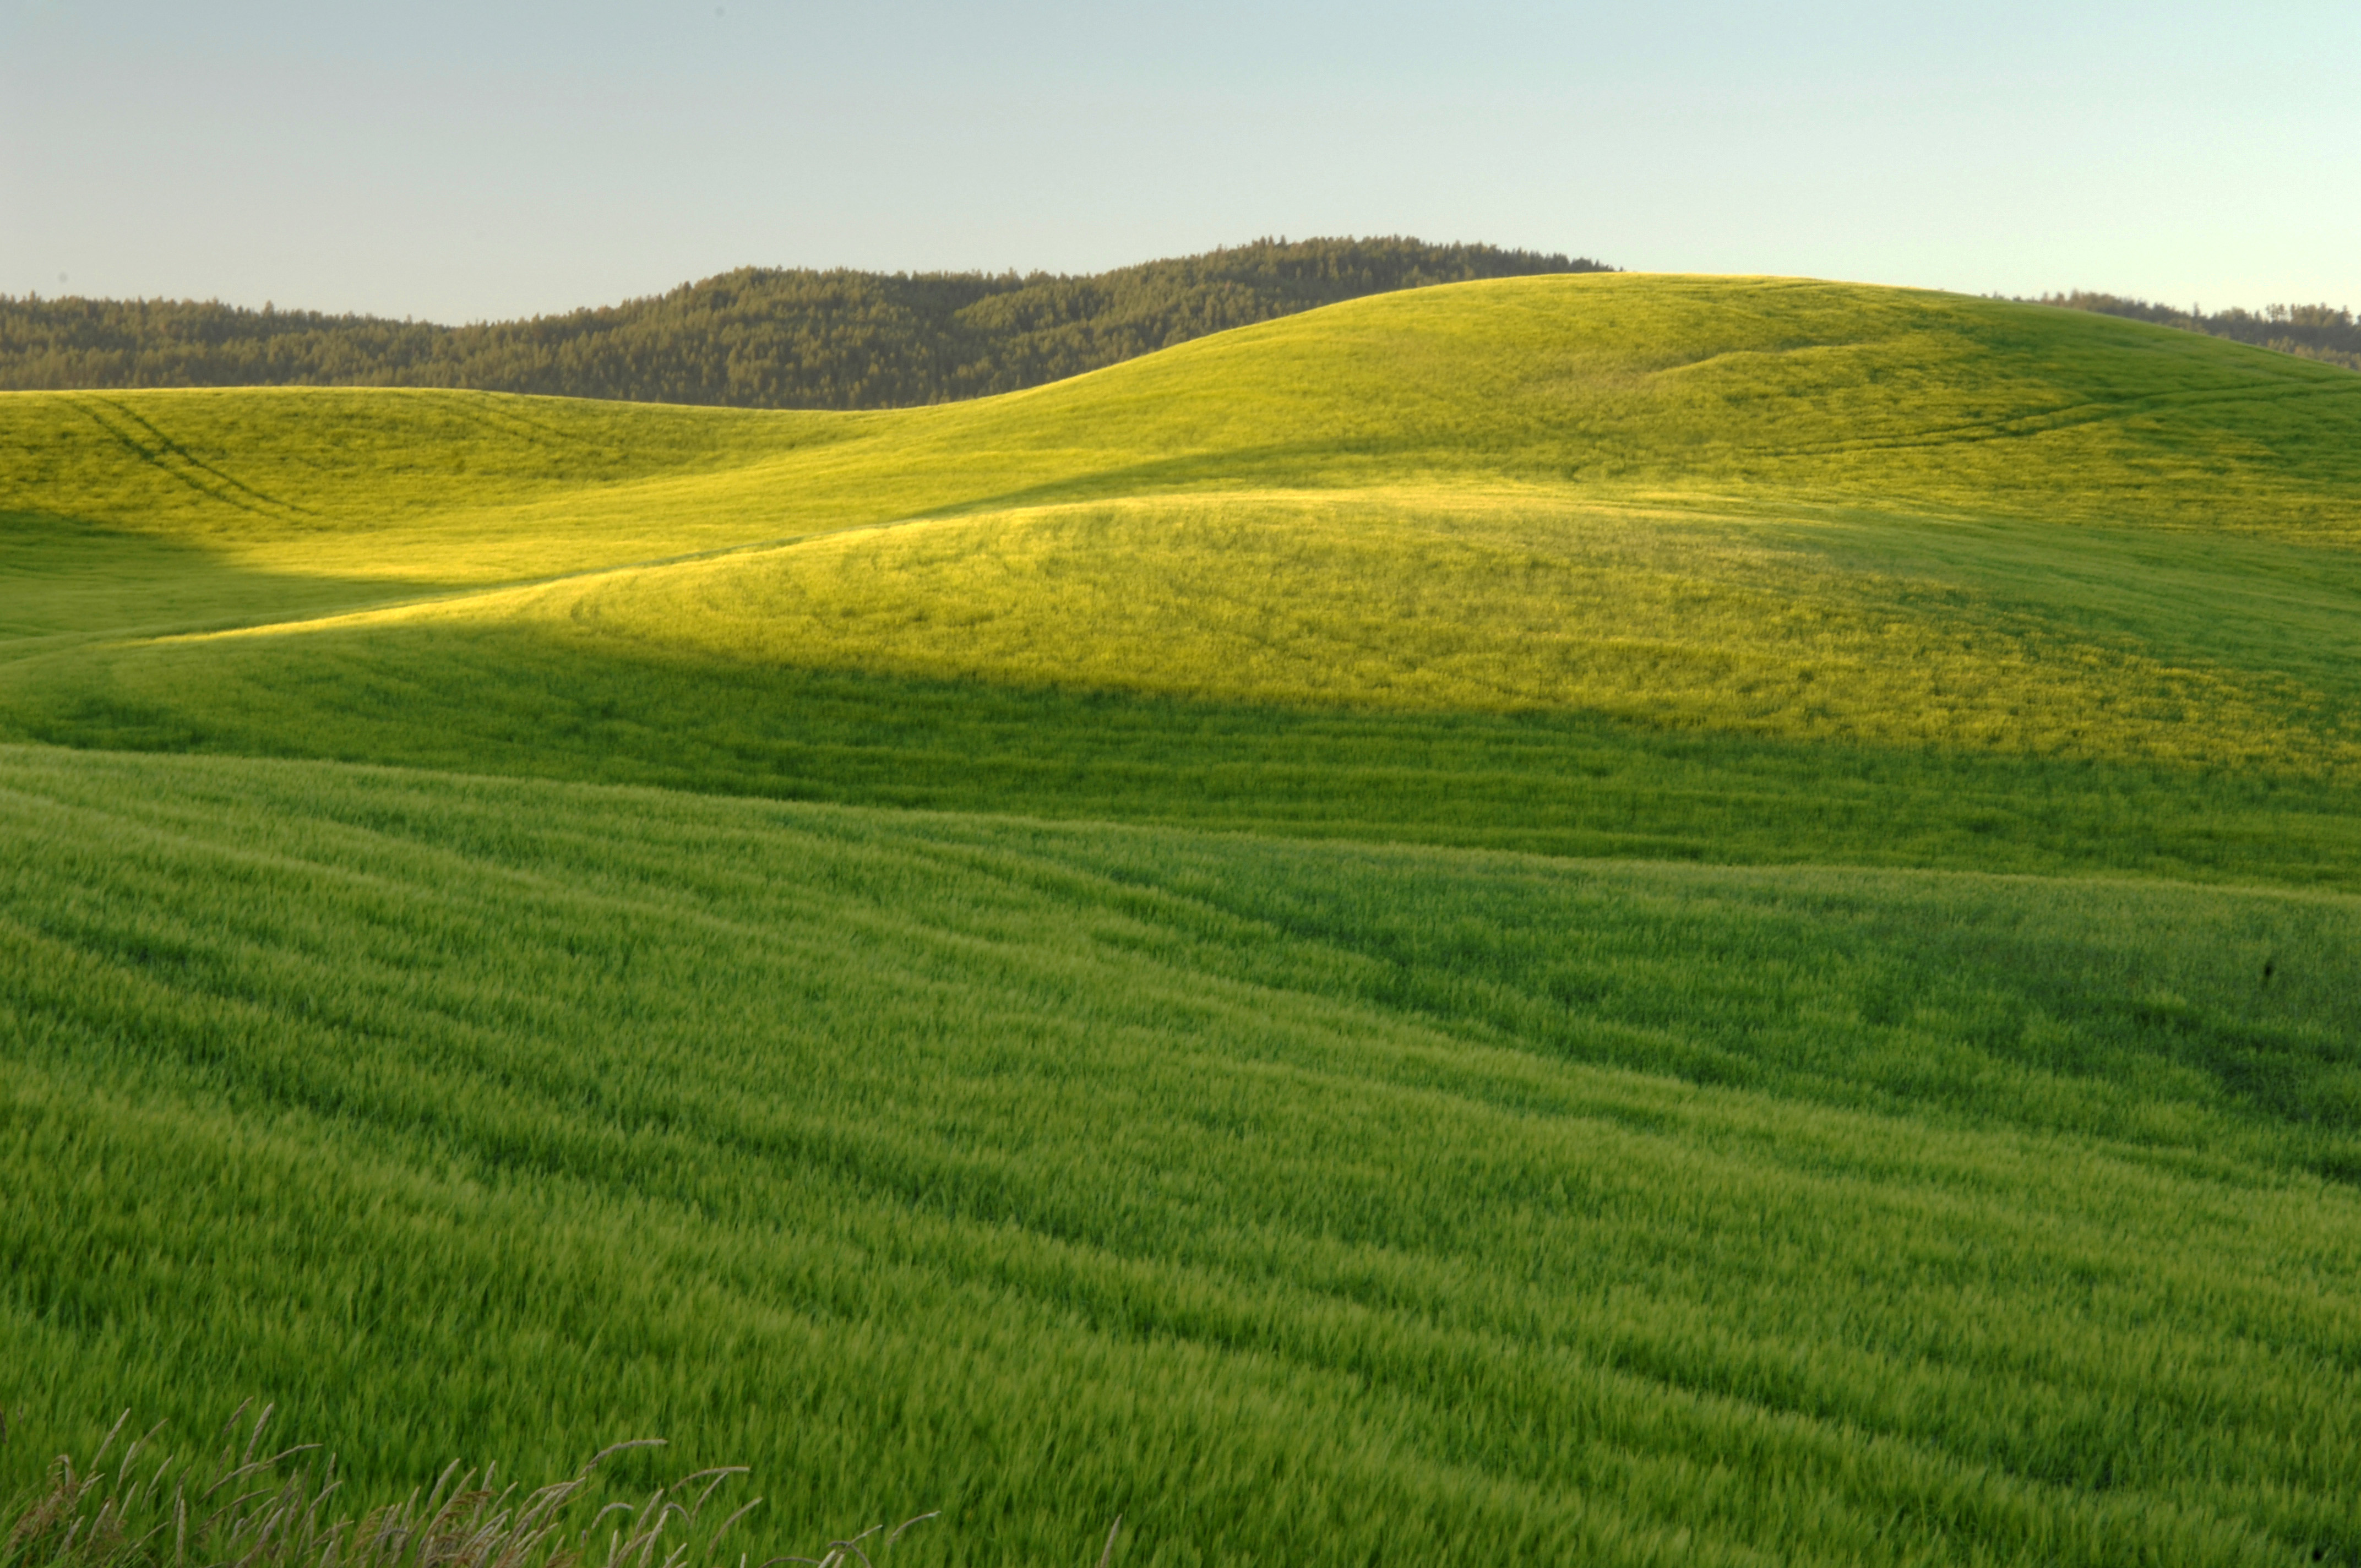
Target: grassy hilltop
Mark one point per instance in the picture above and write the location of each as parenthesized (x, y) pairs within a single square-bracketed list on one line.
[(1588, 918)]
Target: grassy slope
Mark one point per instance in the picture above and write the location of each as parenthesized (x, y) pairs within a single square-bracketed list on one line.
[(1516, 542), (1342, 1195), (1691, 387), (1296, 1201)]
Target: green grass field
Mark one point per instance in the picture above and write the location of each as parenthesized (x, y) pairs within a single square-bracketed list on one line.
[(1607, 919)]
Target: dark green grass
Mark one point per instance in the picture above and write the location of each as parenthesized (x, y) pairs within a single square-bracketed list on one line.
[(1302, 1202), (72, 582), (493, 699), (2275, 619)]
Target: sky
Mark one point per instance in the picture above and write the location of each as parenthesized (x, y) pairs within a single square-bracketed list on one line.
[(483, 160)]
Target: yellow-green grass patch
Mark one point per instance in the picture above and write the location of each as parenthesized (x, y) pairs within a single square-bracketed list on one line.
[(1459, 600)]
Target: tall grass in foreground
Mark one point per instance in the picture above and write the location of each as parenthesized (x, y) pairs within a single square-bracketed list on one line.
[(135, 1505), (1314, 1204)]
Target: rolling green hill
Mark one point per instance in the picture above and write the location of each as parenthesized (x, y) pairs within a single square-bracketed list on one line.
[(1592, 565), (1125, 947)]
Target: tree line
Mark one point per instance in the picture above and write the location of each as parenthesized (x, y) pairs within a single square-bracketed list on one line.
[(758, 337), (2314, 332)]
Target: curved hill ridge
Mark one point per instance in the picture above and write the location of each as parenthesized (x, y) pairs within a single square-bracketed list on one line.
[(1435, 600), (1766, 391)]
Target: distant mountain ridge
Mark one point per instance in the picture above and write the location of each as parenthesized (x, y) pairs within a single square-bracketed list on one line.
[(757, 338)]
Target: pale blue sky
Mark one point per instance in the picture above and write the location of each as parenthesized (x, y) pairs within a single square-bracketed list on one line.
[(458, 162)]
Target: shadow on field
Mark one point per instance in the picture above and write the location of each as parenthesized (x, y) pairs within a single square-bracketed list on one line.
[(509, 701), (74, 579)]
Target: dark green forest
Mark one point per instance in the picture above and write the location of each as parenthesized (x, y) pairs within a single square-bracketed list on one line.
[(2315, 331), (758, 337)]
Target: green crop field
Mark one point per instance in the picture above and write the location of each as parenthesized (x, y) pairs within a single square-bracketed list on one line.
[(1589, 920)]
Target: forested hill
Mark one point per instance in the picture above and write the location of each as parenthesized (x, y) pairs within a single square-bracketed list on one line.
[(757, 338), (2314, 332)]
